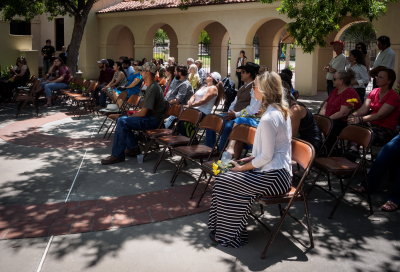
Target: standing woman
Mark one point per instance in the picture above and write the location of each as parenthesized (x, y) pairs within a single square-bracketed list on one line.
[(269, 172), (241, 61), (361, 76), (363, 49)]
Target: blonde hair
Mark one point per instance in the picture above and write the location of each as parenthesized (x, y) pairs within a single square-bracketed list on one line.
[(194, 67), (270, 85)]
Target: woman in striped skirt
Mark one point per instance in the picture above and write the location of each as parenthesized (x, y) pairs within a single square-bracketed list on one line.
[(267, 172)]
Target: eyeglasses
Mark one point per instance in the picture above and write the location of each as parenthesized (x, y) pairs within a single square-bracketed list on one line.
[(243, 72)]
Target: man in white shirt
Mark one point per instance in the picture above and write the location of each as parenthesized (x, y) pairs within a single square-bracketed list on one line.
[(338, 63), (384, 59), (245, 104)]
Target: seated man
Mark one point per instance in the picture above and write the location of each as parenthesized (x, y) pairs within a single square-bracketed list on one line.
[(105, 77), (179, 91), (244, 105), (125, 142)]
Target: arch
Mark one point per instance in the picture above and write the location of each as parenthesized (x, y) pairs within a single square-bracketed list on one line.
[(120, 42), (173, 38), (269, 33), (219, 44), (252, 31)]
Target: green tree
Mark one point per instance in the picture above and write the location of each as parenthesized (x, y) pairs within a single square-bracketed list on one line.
[(314, 20), (160, 37), (204, 38), (79, 9)]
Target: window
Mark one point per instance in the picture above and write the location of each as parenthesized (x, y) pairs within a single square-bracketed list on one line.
[(20, 27), (59, 33)]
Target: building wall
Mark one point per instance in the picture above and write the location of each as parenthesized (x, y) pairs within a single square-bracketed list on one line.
[(123, 33)]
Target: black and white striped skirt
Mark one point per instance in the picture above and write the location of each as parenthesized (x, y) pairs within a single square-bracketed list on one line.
[(232, 197)]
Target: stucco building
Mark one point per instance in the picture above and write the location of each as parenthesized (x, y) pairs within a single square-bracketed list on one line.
[(117, 28)]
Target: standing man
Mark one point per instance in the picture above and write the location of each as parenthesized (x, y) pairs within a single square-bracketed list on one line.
[(48, 52), (384, 59), (149, 117), (336, 64), (201, 71)]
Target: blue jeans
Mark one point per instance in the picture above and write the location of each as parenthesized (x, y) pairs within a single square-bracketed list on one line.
[(211, 135), (386, 161), (51, 86), (124, 137)]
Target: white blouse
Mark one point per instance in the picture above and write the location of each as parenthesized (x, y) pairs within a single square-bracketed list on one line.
[(208, 106), (272, 147)]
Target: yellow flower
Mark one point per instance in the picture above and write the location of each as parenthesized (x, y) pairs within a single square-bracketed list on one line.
[(352, 100), (216, 172), (214, 166), (219, 162)]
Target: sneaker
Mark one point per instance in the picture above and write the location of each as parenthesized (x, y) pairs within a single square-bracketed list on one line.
[(111, 160)]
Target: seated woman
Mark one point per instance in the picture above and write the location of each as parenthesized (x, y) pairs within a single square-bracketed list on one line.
[(207, 96), (19, 76), (59, 81), (194, 77), (134, 81), (118, 80), (342, 100), (267, 173), (381, 109), (204, 99)]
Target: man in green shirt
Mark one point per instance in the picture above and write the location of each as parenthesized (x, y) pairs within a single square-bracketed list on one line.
[(149, 117)]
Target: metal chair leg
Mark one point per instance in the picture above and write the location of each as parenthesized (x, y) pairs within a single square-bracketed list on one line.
[(102, 125), (176, 173), (159, 160), (309, 228), (197, 183), (204, 191)]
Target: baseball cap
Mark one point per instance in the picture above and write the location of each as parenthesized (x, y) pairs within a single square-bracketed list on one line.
[(148, 67), (216, 76), (104, 61), (250, 67), (338, 42)]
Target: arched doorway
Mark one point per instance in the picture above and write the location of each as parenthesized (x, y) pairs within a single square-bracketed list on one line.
[(120, 42), (164, 40)]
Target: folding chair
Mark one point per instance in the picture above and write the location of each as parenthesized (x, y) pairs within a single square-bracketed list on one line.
[(324, 124), (85, 99), (199, 152), (342, 167), (113, 108), (241, 133), (303, 154), (132, 103), (152, 134), (29, 95), (189, 115)]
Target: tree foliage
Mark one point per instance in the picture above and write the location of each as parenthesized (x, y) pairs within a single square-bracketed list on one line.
[(27, 9), (314, 20)]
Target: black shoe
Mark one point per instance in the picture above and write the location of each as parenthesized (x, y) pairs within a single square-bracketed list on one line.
[(111, 160), (212, 236)]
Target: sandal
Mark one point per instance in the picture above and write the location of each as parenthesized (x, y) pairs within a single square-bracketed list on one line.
[(389, 206)]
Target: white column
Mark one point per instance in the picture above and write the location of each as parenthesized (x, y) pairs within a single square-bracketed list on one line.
[(306, 72)]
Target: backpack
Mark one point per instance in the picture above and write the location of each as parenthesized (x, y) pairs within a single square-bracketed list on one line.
[(230, 92)]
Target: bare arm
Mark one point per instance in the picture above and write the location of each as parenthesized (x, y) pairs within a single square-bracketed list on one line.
[(343, 112), (211, 93), (383, 112), (133, 84), (298, 113), (364, 108)]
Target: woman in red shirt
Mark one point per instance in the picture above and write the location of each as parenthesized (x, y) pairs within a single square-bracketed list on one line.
[(381, 109), (342, 100)]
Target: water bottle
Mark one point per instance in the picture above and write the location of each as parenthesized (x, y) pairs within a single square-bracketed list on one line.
[(226, 157)]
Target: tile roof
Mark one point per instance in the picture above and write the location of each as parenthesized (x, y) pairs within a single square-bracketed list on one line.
[(133, 5)]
